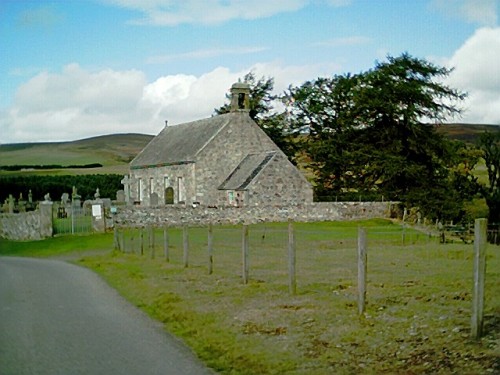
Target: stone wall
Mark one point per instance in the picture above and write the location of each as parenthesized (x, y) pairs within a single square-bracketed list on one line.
[(176, 216), (21, 226), (26, 226)]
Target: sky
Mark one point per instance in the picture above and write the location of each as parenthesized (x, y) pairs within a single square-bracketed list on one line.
[(75, 69)]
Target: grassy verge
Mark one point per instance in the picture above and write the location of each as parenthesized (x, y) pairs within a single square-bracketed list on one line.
[(67, 246), (417, 319)]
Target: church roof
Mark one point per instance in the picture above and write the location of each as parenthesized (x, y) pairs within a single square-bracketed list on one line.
[(247, 170), (180, 144)]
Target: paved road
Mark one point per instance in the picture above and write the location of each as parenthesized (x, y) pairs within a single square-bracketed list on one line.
[(57, 318)]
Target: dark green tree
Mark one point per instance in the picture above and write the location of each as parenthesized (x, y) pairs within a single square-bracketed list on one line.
[(489, 143), (275, 124), (371, 132)]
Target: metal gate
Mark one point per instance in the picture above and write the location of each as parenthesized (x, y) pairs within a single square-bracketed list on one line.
[(71, 220)]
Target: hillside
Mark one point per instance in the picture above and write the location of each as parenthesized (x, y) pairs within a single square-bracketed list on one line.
[(466, 132), (113, 152)]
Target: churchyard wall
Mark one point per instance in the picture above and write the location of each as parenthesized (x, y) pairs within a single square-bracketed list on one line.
[(140, 216)]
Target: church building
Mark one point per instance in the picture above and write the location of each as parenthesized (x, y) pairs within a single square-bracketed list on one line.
[(224, 160)]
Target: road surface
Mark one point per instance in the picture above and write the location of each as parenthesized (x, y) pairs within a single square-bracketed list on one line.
[(57, 318)]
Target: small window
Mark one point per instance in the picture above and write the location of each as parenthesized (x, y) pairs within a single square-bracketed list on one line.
[(139, 190), (231, 198)]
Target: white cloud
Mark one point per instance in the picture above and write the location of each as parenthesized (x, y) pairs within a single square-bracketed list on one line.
[(172, 12), (76, 103), (482, 12), (477, 71)]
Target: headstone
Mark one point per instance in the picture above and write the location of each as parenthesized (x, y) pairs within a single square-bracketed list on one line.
[(11, 204), (21, 203), (65, 199), (120, 196), (126, 187)]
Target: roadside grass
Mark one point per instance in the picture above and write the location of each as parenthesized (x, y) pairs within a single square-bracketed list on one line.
[(417, 318), (67, 246)]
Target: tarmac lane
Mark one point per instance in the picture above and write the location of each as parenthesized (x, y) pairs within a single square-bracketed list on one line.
[(58, 318)]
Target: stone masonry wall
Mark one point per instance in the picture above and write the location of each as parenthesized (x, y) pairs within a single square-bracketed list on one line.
[(27, 226), (176, 216), (21, 226)]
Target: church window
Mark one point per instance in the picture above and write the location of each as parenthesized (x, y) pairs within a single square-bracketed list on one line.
[(139, 192), (181, 190)]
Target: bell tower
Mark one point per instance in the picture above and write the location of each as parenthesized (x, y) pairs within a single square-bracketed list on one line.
[(240, 97)]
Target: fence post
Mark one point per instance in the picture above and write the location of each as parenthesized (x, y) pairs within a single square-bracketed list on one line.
[(210, 249), (244, 249), (292, 286), (132, 238), (480, 232), (362, 267), (165, 243), (116, 241), (185, 245), (141, 240), (152, 241), (122, 240)]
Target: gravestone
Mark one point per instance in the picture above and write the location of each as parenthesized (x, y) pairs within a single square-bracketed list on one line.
[(21, 203), (126, 188), (11, 204), (120, 196)]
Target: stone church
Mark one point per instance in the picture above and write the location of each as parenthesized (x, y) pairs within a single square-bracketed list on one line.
[(224, 160)]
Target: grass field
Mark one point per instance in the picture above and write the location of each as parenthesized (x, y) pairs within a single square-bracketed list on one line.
[(417, 318)]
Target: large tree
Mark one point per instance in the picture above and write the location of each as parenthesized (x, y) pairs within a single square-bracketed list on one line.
[(371, 132), (489, 143)]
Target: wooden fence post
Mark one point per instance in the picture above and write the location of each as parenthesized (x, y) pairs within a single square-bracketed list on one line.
[(141, 240), (122, 240), (244, 250), (152, 241), (292, 283), (362, 267), (116, 241), (210, 249), (480, 233), (165, 243), (185, 245)]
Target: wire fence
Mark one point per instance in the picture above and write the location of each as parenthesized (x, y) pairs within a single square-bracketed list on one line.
[(405, 266)]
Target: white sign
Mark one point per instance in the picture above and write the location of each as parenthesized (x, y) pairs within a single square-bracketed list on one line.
[(96, 211)]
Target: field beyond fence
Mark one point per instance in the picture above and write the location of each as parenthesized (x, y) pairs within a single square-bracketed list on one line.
[(418, 297)]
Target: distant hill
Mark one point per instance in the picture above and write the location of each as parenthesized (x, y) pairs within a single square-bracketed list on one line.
[(466, 132), (113, 152)]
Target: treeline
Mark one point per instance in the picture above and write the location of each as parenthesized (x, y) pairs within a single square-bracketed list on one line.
[(12, 168), (373, 134), (56, 186)]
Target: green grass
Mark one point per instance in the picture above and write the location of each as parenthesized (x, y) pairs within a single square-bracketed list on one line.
[(418, 311), (58, 246)]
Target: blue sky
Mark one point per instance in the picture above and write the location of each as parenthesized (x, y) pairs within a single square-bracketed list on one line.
[(75, 69)]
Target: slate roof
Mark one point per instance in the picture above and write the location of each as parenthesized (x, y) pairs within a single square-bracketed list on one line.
[(247, 170), (180, 144)]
